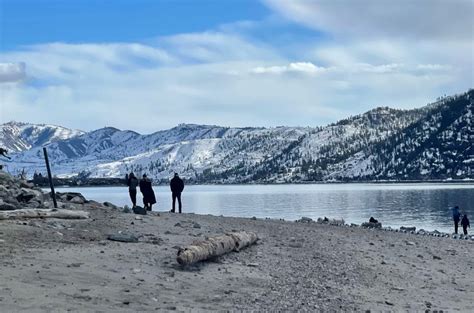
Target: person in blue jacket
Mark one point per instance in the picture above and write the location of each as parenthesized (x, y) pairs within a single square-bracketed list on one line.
[(456, 218)]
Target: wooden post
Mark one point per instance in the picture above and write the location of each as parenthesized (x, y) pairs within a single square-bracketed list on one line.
[(53, 194)]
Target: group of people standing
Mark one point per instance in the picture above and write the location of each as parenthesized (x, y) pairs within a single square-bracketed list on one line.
[(464, 221), (149, 198)]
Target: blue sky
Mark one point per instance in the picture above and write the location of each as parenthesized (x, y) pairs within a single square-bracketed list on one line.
[(149, 65), (26, 22)]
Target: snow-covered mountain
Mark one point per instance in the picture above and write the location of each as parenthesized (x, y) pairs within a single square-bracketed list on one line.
[(18, 137), (433, 142)]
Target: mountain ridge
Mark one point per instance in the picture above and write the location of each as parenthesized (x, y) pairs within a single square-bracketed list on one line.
[(380, 144)]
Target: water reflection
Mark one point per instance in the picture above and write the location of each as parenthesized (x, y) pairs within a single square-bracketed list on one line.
[(421, 205)]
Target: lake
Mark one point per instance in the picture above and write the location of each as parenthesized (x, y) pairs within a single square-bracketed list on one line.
[(422, 205)]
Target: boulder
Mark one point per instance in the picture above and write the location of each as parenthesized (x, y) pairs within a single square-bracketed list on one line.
[(5, 206), (26, 195), (305, 219), (25, 184), (139, 210), (371, 225), (110, 205), (78, 200), (4, 192), (409, 229), (68, 196), (6, 179)]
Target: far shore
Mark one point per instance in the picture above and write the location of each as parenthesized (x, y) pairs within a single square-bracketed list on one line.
[(58, 183)]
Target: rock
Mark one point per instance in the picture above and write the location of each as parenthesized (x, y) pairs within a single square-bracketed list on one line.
[(4, 206), (126, 209), (196, 225), (408, 229), (5, 178), (410, 243), (26, 195), (304, 220), (295, 245), (68, 196), (122, 237), (139, 210), (4, 192), (253, 218), (24, 184), (110, 205), (435, 257), (78, 200), (371, 225)]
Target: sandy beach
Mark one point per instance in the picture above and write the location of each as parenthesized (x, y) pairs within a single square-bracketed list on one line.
[(53, 265)]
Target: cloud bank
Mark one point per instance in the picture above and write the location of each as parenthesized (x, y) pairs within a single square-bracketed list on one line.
[(229, 76)]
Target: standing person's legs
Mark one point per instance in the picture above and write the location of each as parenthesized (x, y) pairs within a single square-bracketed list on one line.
[(456, 222), (464, 228), (149, 207), (179, 202), (144, 202), (174, 202), (133, 197)]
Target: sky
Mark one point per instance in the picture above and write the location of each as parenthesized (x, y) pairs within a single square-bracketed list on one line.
[(149, 65)]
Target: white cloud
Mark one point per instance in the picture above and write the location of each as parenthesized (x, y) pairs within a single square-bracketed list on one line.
[(12, 72), (421, 19), (297, 67)]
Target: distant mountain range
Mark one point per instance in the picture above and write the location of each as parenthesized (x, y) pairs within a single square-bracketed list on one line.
[(434, 142)]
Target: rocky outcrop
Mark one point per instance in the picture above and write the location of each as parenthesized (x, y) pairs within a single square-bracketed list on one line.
[(18, 194)]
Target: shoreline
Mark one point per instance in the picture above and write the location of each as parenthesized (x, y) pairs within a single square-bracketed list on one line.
[(369, 182)]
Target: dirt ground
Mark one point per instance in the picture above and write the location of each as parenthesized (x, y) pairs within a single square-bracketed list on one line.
[(53, 265)]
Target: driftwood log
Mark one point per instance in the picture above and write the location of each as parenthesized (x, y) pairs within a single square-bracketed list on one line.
[(215, 246), (42, 213)]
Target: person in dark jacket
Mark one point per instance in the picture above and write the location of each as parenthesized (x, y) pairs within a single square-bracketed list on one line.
[(177, 186), (456, 217), (132, 183), (148, 193), (465, 224)]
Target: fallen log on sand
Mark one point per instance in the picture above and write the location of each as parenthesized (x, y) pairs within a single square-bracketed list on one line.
[(215, 246), (42, 213)]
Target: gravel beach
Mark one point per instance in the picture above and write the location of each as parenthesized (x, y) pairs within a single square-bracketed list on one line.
[(59, 265), (53, 265)]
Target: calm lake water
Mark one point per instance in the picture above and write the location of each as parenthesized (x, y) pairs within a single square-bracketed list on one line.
[(422, 205)]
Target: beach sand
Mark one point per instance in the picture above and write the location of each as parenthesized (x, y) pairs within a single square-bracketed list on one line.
[(69, 265)]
